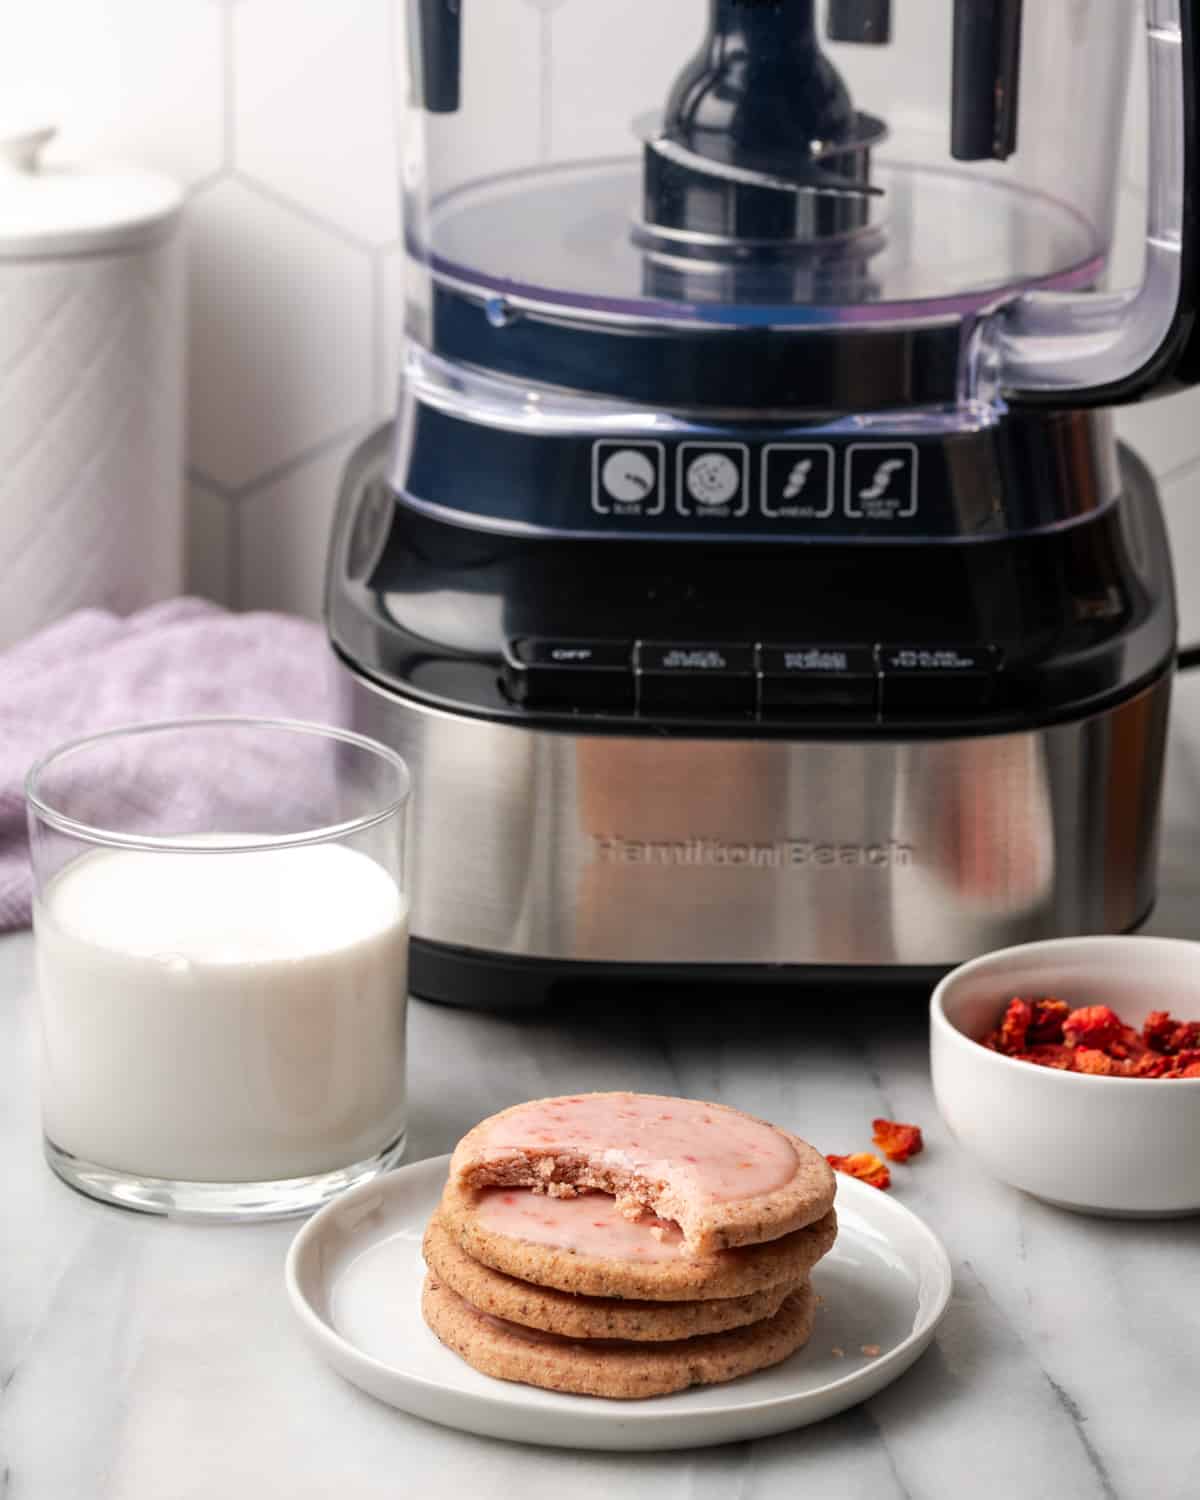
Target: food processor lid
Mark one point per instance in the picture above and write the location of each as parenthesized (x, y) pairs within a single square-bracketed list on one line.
[(551, 274), (51, 210), (569, 238), (756, 198), (758, 195), (793, 190)]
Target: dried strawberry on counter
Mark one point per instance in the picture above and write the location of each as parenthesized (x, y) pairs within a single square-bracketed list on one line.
[(897, 1142), (865, 1166)]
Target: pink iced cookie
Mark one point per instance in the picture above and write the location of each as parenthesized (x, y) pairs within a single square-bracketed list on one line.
[(583, 1246), (621, 1370), (724, 1177), (587, 1224), (598, 1318)]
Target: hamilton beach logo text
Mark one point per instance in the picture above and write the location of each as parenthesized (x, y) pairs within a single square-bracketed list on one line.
[(783, 854)]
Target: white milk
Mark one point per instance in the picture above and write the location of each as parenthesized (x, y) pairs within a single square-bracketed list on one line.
[(223, 1017)]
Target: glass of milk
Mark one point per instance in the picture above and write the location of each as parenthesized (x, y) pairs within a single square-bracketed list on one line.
[(221, 928)]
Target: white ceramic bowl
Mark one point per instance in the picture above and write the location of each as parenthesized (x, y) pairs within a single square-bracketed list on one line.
[(1122, 1146)]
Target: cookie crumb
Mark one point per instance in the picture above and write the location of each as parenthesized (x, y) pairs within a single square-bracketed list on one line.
[(872, 1351), (838, 1352)]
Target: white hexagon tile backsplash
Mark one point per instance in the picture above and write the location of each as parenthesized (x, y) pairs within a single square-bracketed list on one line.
[(281, 332), (314, 109), (281, 118)]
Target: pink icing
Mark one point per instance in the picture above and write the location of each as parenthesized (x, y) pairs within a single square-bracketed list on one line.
[(708, 1152), (587, 1225)]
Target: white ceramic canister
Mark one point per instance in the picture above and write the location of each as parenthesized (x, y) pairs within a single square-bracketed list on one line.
[(91, 387)]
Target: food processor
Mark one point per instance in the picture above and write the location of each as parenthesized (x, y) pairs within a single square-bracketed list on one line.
[(751, 576)]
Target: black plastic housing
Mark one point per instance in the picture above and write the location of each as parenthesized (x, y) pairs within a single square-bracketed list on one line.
[(1077, 618)]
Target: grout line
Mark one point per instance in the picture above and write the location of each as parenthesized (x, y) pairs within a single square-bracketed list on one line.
[(290, 205), (229, 112), (201, 185), (546, 83), (378, 346), (1180, 471), (195, 475), (196, 479), (398, 98), (299, 460), (233, 556), (399, 91)]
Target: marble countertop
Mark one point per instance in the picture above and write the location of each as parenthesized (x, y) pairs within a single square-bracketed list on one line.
[(145, 1360)]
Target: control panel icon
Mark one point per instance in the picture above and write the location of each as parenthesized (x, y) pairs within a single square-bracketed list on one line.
[(713, 479), (881, 481), (798, 481), (628, 478)]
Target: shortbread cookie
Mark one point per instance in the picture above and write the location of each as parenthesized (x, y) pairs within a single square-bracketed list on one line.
[(576, 1317), (617, 1369), (586, 1245), (724, 1177)]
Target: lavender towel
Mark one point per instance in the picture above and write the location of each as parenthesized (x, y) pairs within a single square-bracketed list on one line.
[(94, 670)]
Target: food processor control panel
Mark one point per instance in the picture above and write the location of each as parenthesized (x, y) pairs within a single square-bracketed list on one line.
[(760, 678), (637, 636), (854, 479)]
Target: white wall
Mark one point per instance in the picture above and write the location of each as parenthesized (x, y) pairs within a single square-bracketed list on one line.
[(280, 117)]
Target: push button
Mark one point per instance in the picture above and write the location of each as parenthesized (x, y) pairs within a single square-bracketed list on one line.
[(942, 678), (568, 673), (805, 676), (694, 677)]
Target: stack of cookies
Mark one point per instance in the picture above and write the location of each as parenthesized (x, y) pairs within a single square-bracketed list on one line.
[(627, 1245)]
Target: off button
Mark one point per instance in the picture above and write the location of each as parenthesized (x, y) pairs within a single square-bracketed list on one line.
[(569, 673)]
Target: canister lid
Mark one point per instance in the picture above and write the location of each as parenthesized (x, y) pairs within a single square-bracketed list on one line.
[(49, 210)]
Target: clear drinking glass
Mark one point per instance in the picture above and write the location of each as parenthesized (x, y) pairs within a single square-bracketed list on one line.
[(221, 928)]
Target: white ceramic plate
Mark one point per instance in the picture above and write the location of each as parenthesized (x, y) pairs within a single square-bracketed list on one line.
[(354, 1276)]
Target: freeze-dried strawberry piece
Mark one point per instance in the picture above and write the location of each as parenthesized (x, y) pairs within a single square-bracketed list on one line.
[(1092, 1060), (897, 1141), (1052, 1055), (1150, 1065), (1163, 1033), (1047, 1022), (1092, 1026), (1014, 1027), (1158, 1031), (1093, 1039), (863, 1165), (1128, 1045)]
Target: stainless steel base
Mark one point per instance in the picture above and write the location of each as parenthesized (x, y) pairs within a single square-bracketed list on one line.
[(653, 850)]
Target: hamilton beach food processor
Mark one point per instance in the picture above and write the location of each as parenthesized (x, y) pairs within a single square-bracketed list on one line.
[(751, 576)]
